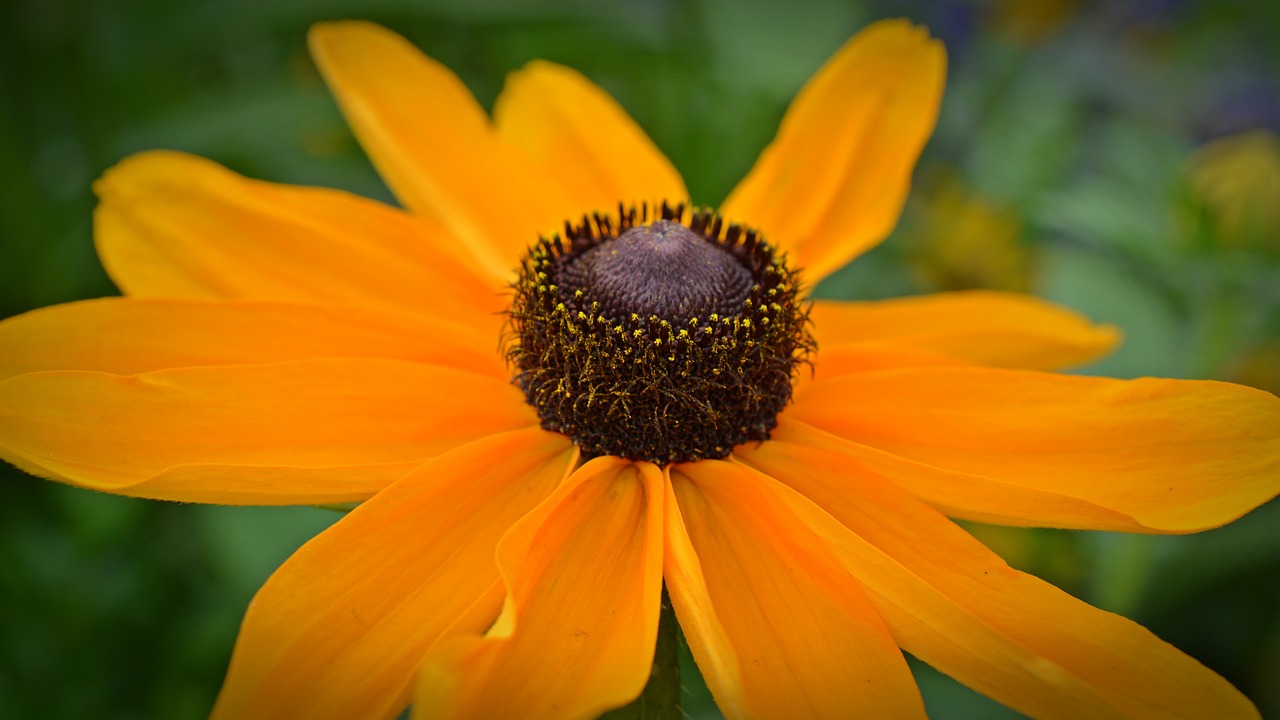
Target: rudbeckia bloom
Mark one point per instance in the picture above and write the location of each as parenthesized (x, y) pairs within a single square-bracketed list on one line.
[(554, 388)]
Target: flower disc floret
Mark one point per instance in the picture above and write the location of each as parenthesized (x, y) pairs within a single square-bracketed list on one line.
[(657, 339)]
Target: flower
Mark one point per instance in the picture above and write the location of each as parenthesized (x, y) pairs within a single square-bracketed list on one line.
[(288, 345), (1236, 179), (963, 240)]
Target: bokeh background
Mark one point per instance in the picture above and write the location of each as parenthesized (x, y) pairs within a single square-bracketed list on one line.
[(1120, 158)]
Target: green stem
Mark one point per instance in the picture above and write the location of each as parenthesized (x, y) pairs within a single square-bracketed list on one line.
[(660, 699)]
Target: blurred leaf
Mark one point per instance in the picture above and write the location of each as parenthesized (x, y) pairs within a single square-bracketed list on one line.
[(1154, 343)]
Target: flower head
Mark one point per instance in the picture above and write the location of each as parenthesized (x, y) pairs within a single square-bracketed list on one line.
[(1237, 179), (650, 418)]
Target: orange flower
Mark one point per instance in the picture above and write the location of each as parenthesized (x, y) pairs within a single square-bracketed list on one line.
[(287, 345)]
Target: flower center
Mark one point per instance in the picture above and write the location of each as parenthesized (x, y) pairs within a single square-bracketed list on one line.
[(663, 269), (657, 340)]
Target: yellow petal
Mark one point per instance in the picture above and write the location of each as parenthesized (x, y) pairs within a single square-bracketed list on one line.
[(833, 182), (131, 335), (338, 631), (576, 636), (842, 359), (304, 432), (434, 145), (954, 604), (1173, 455), (776, 623), (989, 328), (178, 226), (582, 137), (976, 497)]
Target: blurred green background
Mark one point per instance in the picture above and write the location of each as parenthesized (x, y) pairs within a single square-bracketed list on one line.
[(1120, 158)]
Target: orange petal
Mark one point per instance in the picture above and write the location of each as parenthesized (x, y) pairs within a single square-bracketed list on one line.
[(955, 605), (434, 145), (576, 636), (989, 328), (979, 498), (833, 182), (777, 625), (584, 138), (305, 432), (178, 226), (836, 360), (130, 335), (338, 631), (1173, 455)]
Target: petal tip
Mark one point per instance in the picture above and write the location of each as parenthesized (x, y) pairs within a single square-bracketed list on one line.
[(135, 166), (902, 30), (329, 29), (1108, 337), (330, 37)]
